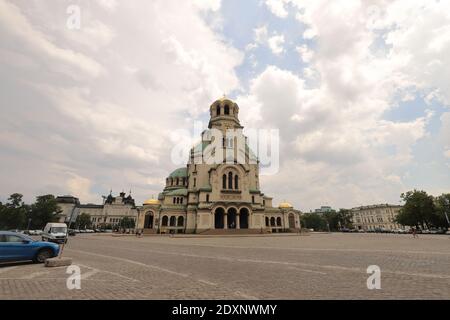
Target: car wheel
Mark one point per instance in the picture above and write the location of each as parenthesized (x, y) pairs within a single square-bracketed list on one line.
[(43, 255)]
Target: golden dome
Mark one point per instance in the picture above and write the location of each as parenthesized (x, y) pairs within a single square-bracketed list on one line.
[(151, 201), (285, 205)]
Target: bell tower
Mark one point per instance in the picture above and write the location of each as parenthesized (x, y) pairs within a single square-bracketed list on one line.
[(224, 115)]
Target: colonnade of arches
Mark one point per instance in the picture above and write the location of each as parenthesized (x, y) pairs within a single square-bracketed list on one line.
[(231, 218), (166, 221), (277, 222)]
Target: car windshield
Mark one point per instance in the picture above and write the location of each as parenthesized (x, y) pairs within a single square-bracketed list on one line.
[(58, 230)]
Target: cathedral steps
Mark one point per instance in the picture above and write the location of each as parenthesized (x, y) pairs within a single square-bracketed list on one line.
[(229, 232)]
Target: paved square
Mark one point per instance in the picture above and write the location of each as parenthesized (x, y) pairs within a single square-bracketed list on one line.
[(318, 266)]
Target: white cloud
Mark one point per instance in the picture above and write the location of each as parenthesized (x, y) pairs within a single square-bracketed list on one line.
[(277, 8), (274, 41), (100, 102), (213, 5), (276, 44)]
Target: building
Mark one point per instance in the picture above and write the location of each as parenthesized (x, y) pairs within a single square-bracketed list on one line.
[(324, 209), (207, 196), (376, 217), (111, 212)]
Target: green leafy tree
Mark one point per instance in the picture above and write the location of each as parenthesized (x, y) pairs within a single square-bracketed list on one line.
[(442, 205), (344, 217), (314, 221), (43, 211), (419, 209), (13, 213), (127, 223), (83, 221)]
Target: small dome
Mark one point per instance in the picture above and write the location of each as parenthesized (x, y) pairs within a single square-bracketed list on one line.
[(285, 205), (179, 173), (151, 202)]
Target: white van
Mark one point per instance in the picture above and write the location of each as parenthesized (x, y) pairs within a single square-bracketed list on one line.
[(55, 232)]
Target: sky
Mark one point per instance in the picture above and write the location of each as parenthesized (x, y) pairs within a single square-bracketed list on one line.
[(359, 91)]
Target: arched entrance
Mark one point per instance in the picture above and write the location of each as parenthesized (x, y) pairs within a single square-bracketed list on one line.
[(243, 218), (291, 221), (218, 218), (232, 214), (148, 223), (173, 220), (180, 222), (272, 222)]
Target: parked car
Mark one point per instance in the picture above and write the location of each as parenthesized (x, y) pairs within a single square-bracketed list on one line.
[(20, 247), (55, 232)]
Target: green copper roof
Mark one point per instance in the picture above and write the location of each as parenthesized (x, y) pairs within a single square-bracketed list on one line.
[(177, 192), (179, 173)]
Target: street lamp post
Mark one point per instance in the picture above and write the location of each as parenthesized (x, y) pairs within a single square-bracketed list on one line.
[(447, 202)]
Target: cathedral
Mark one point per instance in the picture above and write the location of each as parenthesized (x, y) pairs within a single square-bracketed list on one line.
[(218, 191)]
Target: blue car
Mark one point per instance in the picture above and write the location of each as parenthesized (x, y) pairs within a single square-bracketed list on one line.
[(19, 247)]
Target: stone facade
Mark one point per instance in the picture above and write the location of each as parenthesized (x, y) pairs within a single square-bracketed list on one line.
[(110, 212), (219, 187), (376, 217)]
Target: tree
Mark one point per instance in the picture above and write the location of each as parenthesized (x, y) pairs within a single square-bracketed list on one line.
[(83, 221), (43, 211), (13, 213), (419, 210), (442, 205), (127, 223), (314, 221), (338, 220)]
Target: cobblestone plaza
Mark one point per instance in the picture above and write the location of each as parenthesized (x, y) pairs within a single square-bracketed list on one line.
[(318, 266)]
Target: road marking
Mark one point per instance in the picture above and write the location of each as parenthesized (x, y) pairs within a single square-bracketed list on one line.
[(108, 272), (34, 275), (286, 263), (207, 282), (184, 275)]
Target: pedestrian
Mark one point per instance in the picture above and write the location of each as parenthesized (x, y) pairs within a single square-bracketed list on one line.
[(414, 233)]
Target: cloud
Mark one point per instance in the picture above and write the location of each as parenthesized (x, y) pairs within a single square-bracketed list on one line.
[(94, 108), (274, 41), (277, 8)]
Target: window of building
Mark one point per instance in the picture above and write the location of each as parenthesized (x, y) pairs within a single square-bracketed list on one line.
[(174, 200), (236, 182), (195, 182), (207, 198), (230, 180), (224, 181), (227, 110), (218, 110), (253, 199)]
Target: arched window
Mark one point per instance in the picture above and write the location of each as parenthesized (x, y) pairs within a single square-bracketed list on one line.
[(236, 182), (180, 222), (178, 181), (165, 220), (174, 200), (171, 181), (218, 110), (224, 181), (227, 110), (173, 221), (267, 221), (207, 198), (253, 199), (181, 200), (272, 222), (230, 180), (279, 221)]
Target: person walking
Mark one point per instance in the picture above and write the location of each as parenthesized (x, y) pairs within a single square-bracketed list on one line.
[(414, 233)]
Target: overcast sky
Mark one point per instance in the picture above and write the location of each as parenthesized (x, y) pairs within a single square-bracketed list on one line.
[(360, 91)]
